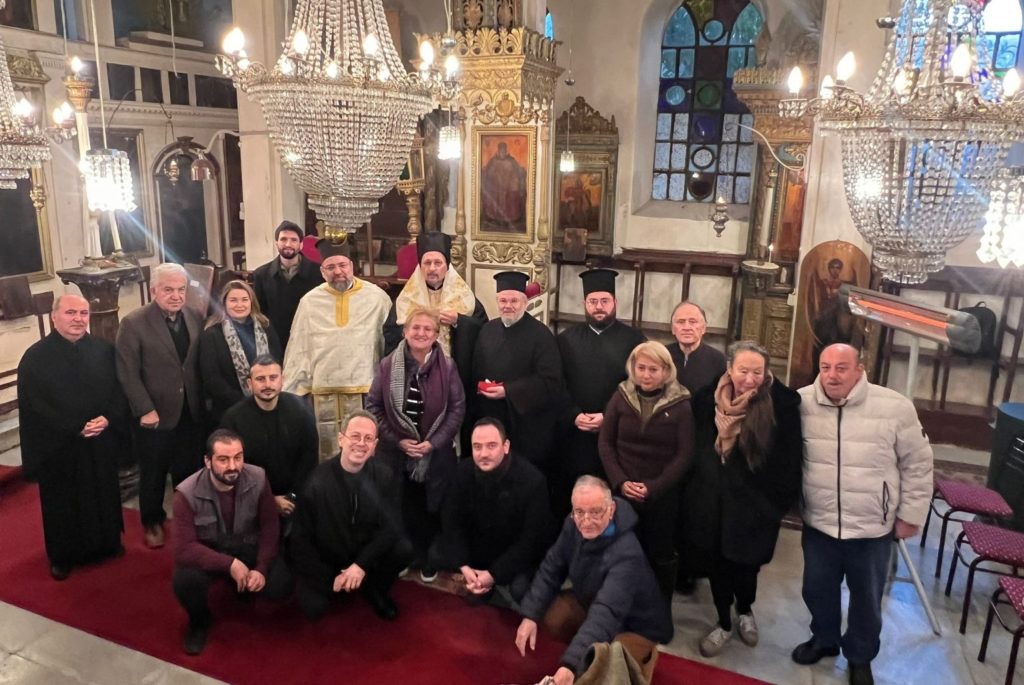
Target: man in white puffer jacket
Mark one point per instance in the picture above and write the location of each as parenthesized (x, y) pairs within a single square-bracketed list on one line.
[(867, 477)]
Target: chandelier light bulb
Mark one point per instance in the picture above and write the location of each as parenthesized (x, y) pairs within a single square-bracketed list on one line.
[(332, 70), (451, 66), (244, 63), (23, 109), (234, 41), (58, 116), (901, 84), (77, 65), (427, 52), (300, 43), (384, 74), (1011, 83), (292, 157), (960, 62), (567, 163), (795, 81), (285, 65), (371, 46), (825, 92), (844, 70)]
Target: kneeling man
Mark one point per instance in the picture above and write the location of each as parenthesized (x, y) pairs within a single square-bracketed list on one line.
[(226, 525), (614, 594), (496, 522), (347, 534)]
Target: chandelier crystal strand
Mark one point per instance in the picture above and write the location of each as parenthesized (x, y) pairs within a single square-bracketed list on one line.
[(22, 145), (339, 106), (1003, 240), (921, 147)]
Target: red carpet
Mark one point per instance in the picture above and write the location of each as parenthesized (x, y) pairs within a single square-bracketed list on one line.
[(438, 638)]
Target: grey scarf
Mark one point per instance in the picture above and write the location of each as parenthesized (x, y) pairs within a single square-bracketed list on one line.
[(238, 352), (417, 467)]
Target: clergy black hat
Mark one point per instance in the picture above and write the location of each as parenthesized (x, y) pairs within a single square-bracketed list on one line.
[(511, 280), (434, 241), (598, 281), (329, 248)]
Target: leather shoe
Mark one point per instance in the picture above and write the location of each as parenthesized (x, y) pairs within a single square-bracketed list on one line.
[(154, 536), (59, 571), (808, 653), (195, 639), (383, 605), (860, 674)]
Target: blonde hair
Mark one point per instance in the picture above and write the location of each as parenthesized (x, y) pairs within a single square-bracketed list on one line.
[(657, 352), (255, 313), (422, 311)]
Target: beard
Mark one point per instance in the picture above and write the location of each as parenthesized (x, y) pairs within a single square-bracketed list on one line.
[(341, 285), (227, 478), (603, 323), (288, 252), (512, 320)]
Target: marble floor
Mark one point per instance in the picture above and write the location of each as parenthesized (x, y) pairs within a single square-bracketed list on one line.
[(36, 650)]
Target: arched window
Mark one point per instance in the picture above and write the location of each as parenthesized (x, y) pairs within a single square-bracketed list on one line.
[(1003, 25), (700, 151), (549, 26)]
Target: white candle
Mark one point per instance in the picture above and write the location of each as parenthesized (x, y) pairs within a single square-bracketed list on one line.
[(771, 248), (766, 216)]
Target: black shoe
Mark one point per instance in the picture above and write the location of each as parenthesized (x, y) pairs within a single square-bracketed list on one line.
[(195, 639), (809, 653), (686, 585), (860, 674), (383, 605), (59, 571)]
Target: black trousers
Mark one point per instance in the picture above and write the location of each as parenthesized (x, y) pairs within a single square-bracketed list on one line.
[(732, 582), (178, 452), (657, 526), (192, 587), (421, 524), (316, 592)]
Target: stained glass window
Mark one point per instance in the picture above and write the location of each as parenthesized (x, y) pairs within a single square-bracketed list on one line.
[(549, 27), (1003, 23), (701, 151)]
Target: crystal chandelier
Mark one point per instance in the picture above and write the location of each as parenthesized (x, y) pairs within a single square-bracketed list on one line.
[(22, 145), (921, 147), (340, 108), (1003, 241), (108, 181), (449, 141)]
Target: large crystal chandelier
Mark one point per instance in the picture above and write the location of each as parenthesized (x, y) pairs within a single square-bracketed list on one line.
[(339, 106), (22, 145), (921, 147), (1003, 240)]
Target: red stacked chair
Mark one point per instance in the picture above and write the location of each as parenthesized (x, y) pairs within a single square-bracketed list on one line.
[(963, 498), (1013, 591), (991, 544)]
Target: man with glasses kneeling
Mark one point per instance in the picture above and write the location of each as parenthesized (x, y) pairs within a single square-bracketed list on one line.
[(347, 533), (614, 594)]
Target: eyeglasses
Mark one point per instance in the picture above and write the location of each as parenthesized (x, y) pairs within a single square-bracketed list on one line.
[(592, 514), (364, 439), (604, 302)]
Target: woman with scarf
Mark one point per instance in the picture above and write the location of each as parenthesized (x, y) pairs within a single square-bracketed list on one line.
[(233, 338), (646, 445), (746, 477), (419, 403)]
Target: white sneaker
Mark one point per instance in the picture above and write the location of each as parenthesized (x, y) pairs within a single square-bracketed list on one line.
[(428, 575), (747, 627), (713, 642)]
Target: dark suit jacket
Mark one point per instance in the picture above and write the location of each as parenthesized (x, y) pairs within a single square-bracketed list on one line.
[(151, 375)]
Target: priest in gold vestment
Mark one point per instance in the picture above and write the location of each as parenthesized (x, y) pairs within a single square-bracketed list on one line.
[(336, 342)]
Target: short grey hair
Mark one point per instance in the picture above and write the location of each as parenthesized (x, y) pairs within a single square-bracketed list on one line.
[(359, 414), (588, 481), (703, 314), (166, 270)]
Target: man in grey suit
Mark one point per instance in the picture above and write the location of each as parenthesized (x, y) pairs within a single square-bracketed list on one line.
[(157, 364)]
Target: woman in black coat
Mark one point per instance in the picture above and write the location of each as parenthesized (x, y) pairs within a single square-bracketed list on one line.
[(746, 477), (232, 340)]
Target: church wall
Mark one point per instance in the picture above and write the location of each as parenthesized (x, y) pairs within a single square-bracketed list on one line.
[(62, 180)]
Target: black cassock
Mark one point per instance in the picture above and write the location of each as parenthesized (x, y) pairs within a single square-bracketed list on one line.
[(525, 358), (594, 365), (61, 387)]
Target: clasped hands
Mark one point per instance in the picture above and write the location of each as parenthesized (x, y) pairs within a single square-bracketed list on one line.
[(589, 423), (415, 450), (477, 582), (634, 490), (349, 579), (94, 427), (246, 579)]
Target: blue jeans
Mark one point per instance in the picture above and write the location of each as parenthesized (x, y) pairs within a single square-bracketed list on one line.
[(865, 565)]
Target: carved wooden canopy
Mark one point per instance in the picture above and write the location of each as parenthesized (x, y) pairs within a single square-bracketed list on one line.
[(587, 122)]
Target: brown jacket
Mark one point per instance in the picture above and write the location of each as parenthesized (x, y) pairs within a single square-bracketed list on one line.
[(148, 367), (656, 453)]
